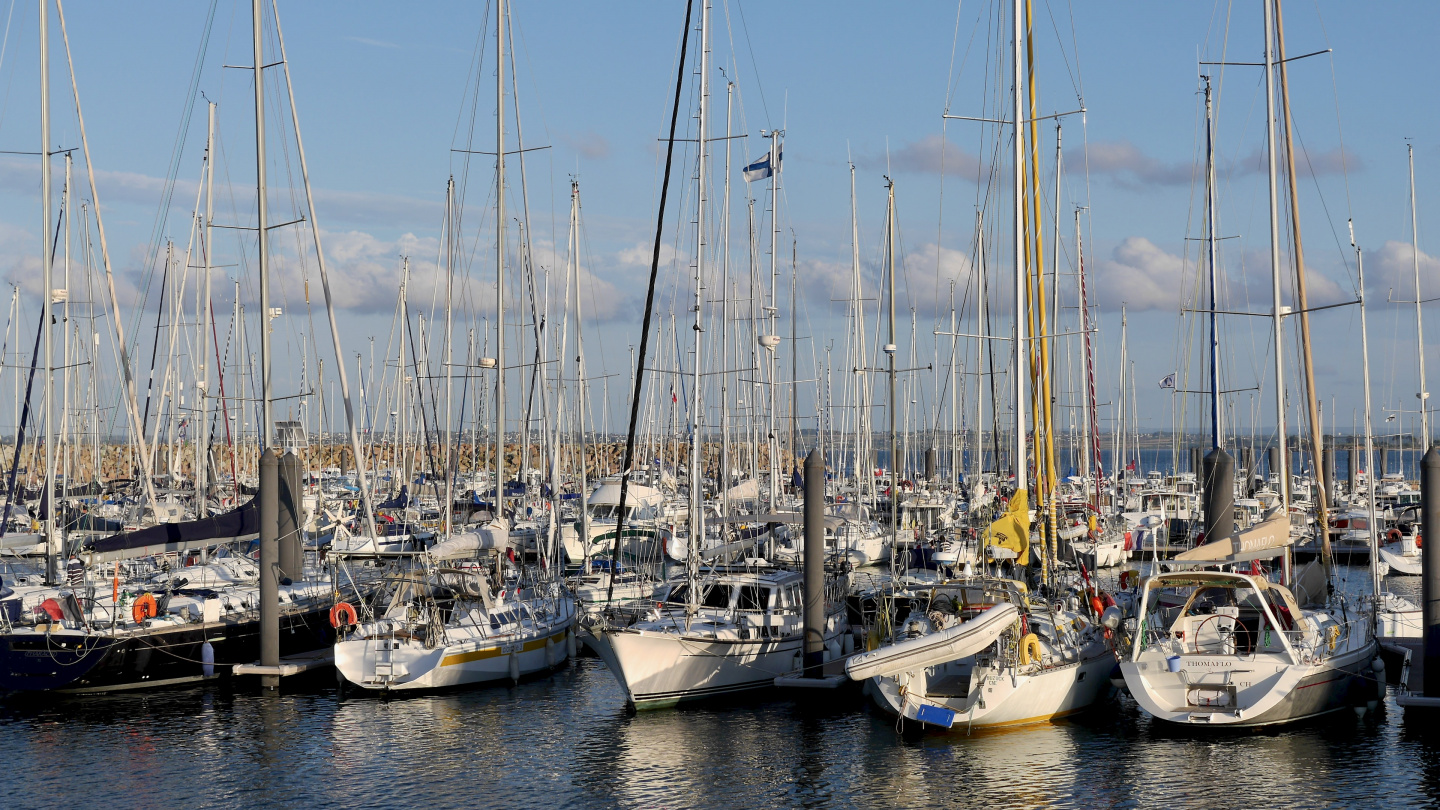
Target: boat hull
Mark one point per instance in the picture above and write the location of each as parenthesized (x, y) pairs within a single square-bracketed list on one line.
[(408, 666), (658, 669), (163, 656), (1290, 694), (999, 700)]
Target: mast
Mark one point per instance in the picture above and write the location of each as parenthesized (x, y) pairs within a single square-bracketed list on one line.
[(1022, 370), (65, 424), (890, 369), (1122, 462), (132, 403), (262, 230), (1424, 395), (52, 549), (1210, 235), (1041, 399), (983, 349), (449, 369), (724, 477), (794, 359), (1277, 314), (1369, 437), (355, 446), (500, 263), (697, 489), (773, 443), (202, 330), (1092, 420), (579, 362), (954, 394), (862, 398), (1317, 441)]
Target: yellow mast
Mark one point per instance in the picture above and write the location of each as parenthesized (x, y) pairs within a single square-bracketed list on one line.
[(1045, 489)]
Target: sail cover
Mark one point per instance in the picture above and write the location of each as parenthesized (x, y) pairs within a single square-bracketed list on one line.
[(237, 524)]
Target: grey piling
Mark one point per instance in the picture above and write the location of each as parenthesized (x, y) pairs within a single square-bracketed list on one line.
[(1430, 567), (1352, 467), (1272, 460), (814, 564), (1327, 471), (1219, 482), (1195, 456), (270, 566), (1379, 472), (292, 544), (1247, 464), (930, 464)]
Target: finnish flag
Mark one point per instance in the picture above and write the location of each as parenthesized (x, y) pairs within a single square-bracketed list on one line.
[(761, 169)]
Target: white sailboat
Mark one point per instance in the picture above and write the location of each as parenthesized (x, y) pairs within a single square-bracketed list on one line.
[(1220, 647), (732, 630), (447, 623)]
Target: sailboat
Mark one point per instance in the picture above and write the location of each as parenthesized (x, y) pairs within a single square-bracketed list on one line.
[(716, 629), (1228, 646), (172, 603), (976, 649), (470, 612)]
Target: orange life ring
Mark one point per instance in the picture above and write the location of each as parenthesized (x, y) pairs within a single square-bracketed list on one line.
[(144, 608), (1393, 535), (343, 615)]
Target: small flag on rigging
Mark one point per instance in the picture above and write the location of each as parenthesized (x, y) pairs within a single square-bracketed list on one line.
[(761, 169), (1169, 381)]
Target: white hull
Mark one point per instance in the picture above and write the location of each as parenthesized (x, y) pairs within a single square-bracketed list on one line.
[(1101, 554), (1001, 697), (402, 664), (1257, 690), (1399, 562), (658, 669)]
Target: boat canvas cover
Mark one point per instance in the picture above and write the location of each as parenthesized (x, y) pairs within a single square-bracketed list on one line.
[(237, 524), (1260, 542), (636, 496)]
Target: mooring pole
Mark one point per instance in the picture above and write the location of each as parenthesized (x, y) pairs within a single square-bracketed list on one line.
[(815, 564), (290, 493), (270, 566), (1219, 483), (1430, 578)]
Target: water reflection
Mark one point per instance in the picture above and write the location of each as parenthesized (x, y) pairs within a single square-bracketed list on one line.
[(568, 741)]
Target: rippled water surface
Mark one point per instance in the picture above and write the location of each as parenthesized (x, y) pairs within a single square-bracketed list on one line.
[(567, 741)]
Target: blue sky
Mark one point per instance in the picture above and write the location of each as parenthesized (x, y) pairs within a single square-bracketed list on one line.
[(384, 90)]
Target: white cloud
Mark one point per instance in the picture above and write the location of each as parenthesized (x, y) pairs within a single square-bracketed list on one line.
[(589, 145), (1139, 275), (929, 155), (641, 254), (1393, 268), (1127, 165)]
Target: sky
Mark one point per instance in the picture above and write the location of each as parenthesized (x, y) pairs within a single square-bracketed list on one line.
[(386, 93)]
